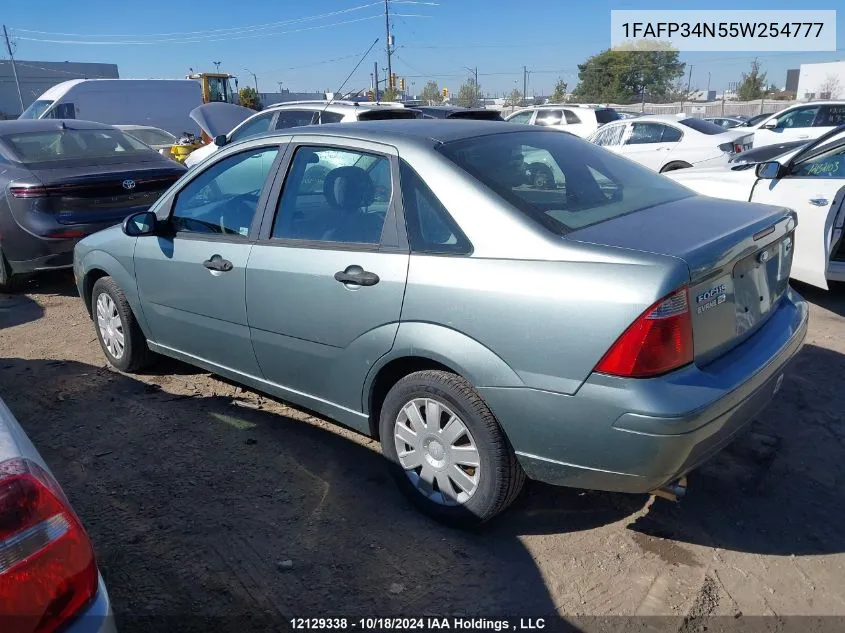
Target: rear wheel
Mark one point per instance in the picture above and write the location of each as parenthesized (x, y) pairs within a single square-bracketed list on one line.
[(678, 164), (447, 452), (122, 340)]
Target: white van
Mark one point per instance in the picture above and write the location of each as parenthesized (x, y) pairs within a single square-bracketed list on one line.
[(162, 103)]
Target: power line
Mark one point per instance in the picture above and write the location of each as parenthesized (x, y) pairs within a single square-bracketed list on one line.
[(203, 39), (231, 31)]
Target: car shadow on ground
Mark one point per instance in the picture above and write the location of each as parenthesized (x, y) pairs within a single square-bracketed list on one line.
[(54, 282), (832, 299), (203, 512), (778, 489), (17, 309)]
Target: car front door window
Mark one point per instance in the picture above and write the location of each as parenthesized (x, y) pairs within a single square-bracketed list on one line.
[(798, 118), (830, 164), (334, 195), (521, 117), (223, 199)]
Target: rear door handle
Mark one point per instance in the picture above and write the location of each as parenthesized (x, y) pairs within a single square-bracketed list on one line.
[(215, 263), (818, 202), (357, 276)]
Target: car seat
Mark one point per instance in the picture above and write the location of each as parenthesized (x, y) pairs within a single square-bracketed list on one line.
[(350, 191)]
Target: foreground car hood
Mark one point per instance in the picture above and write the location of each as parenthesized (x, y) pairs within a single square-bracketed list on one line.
[(719, 182), (219, 118)]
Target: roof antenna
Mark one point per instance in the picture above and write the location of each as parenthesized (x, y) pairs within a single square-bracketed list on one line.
[(328, 102)]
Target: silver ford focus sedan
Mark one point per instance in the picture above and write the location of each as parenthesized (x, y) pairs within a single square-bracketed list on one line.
[(601, 327)]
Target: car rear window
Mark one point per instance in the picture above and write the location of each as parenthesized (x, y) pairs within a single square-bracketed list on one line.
[(391, 113), (607, 115), (478, 115), (563, 182), (152, 137), (700, 125), (54, 145)]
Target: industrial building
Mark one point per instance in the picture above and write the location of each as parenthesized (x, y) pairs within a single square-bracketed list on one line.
[(821, 81), (36, 77)]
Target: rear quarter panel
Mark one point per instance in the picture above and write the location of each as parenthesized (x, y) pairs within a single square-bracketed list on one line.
[(548, 322)]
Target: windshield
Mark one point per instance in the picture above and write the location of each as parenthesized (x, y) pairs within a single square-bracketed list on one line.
[(607, 115), (700, 125), (560, 181), (152, 137), (36, 109), (53, 145)]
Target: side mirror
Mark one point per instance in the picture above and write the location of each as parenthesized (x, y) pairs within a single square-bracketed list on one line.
[(768, 171), (771, 124), (220, 140), (140, 224)]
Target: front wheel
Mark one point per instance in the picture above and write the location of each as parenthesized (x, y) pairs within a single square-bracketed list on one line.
[(122, 340), (447, 452)]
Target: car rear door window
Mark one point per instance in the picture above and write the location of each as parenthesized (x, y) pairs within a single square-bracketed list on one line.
[(253, 127), (830, 116), (571, 117), (671, 134), (644, 133), (296, 118), (549, 117), (430, 227), (330, 117), (334, 195), (223, 199)]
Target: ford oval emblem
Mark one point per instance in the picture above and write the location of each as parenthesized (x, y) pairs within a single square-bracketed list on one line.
[(128, 184), (763, 257)]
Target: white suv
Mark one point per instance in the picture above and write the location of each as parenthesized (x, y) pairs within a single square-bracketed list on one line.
[(802, 122), (237, 124), (581, 120)]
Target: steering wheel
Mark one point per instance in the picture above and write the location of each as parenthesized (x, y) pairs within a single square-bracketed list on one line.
[(241, 208)]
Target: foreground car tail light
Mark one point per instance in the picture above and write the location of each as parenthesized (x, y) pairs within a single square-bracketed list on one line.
[(659, 341), (731, 148), (48, 572), (28, 192)]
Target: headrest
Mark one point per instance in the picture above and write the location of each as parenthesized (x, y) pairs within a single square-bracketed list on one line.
[(349, 188)]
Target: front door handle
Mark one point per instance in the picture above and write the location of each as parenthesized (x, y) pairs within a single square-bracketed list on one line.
[(215, 263), (818, 202), (357, 276)]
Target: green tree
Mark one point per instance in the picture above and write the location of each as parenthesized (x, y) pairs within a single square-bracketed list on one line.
[(431, 93), (248, 98), (514, 98), (559, 94), (621, 76), (469, 94), (753, 84), (389, 94)]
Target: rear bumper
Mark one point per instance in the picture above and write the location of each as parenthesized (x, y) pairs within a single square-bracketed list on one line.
[(637, 435), (98, 617), (28, 252)]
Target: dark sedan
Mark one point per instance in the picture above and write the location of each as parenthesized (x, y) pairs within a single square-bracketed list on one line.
[(61, 180)]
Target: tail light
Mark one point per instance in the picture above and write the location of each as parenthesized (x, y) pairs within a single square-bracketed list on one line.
[(659, 341), (48, 572), (731, 148), (28, 192)]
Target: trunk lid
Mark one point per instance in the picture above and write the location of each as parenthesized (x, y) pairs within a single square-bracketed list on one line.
[(99, 194), (739, 257)]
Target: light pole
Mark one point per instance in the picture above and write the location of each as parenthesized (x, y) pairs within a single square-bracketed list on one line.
[(217, 66), (254, 77), (280, 86)]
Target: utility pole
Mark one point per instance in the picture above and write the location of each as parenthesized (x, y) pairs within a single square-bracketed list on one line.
[(689, 83), (524, 84), (474, 71), (14, 68), (254, 77), (375, 82), (389, 47)]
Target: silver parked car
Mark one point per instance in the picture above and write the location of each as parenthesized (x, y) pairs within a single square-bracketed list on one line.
[(49, 579), (609, 329)]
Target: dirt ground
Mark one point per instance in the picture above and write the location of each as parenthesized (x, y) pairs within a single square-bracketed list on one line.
[(208, 499)]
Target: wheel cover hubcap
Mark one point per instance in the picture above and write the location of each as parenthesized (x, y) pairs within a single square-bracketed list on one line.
[(437, 451), (110, 326)]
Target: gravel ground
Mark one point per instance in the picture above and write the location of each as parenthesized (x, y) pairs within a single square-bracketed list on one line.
[(208, 499)]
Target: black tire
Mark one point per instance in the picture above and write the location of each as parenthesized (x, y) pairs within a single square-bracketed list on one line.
[(678, 164), (8, 280), (541, 176), (136, 355), (500, 477)]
